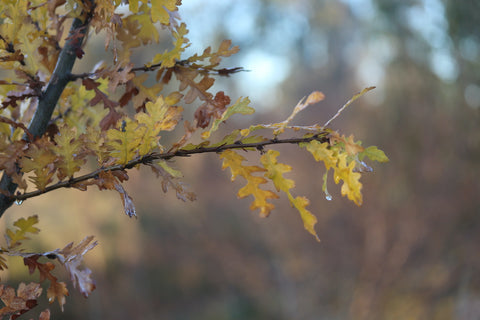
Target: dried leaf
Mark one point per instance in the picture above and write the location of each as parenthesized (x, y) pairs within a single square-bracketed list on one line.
[(241, 107), (23, 301), (72, 257), (169, 180), (57, 290)]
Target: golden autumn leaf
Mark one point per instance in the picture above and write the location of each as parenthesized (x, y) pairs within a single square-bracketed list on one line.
[(225, 49), (124, 140), (39, 158), (233, 160), (309, 220), (169, 57), (351, 180), (160, 10), (344, 168), (147, 32), (30, 40), (276, 170), (275, 173), (68, 148), (322, 152)]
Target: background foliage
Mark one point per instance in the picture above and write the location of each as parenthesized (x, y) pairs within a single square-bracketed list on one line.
[(408, 252)]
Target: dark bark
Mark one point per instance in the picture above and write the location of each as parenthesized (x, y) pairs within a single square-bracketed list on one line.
[(48, 100)]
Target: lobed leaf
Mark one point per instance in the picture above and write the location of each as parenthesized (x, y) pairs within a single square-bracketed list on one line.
[(57, 290), (337, 158), (17, 304), (233, 160), (225, 49), (125, 140), (160, 10), (69, 152), (39, 158), (167, 59), (275, 173), (24, 226), (72, 257), (170, 178)]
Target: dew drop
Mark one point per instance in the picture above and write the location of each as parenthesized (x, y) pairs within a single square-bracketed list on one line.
[(18, 202), (328, 197)]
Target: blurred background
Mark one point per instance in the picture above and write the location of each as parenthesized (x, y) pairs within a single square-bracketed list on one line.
[(412, 251)]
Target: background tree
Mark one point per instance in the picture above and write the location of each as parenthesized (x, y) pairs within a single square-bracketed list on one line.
[(410, 251), (61, 129)]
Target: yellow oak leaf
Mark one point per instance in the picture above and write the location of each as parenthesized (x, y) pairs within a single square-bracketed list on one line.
[(309, 220), (169, 57), (351, 180), (275, 173), (276, 170), (68, 148), (260, 196), (343, 166), (30, 40), (322, 152), (147, 31), (125, 140), (160, 116), (39, 158), (224, 50), (233, 160), (160, 10), (14, 14)]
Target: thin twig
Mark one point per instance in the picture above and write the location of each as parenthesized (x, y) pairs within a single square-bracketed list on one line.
[(221, 72), (349, 102), (322, 137)]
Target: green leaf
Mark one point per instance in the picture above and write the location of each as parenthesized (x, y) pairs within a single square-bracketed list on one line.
[(24, 226), (374, 154)]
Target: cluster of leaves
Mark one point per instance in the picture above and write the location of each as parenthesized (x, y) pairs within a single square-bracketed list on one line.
[(337, 152), (115, 117), (70, 257)]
